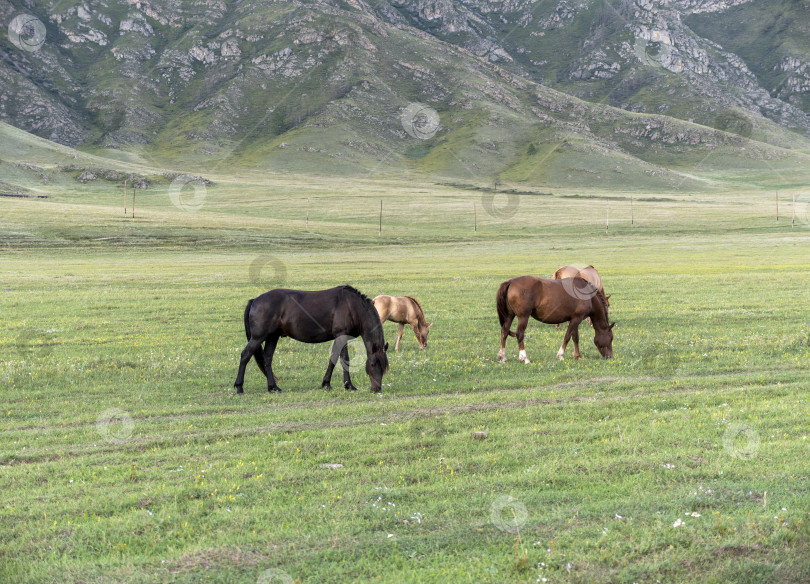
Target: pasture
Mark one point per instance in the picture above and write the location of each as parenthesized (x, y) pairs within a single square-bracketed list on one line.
[(126, 455)]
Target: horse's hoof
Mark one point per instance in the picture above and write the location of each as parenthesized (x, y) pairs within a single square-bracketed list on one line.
[(578, 357), (326, 386), (274, 388), (350, 388), (239, 389)]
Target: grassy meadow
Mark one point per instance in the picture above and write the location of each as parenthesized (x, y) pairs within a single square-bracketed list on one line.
[(126, 455)]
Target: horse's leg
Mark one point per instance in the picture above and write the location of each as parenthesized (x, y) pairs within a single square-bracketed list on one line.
[(269, 350), (507, 324), (247, 354), (523, 322), (333, 358), (344, 361), (573, 325), (400, 329), (575, 338)]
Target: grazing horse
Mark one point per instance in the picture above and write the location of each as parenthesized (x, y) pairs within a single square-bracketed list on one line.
[(339, 314), (552, 302), (404, 310)]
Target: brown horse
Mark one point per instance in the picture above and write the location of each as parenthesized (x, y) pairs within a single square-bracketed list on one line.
[(404, 310), (552, 302)]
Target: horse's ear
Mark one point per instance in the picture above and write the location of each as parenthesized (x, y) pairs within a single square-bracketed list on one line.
[(607, 297), (430, 323), (612, 324), (386, 347)]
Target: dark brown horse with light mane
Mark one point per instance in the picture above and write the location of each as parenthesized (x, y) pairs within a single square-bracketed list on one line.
[(341, 314), (404, 310), (553, 302)]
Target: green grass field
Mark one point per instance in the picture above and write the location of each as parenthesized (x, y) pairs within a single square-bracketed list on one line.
[(126, 456)]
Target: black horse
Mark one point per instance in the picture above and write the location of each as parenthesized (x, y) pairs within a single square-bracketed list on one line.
[(340, 314)]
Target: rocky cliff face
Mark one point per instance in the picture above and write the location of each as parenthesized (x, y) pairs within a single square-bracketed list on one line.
[(225, 78)]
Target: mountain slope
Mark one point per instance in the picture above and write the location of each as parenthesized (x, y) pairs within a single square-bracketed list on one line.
[(351, 88)]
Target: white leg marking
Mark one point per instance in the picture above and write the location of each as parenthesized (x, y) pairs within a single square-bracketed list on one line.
[(501, 355), (560, 354), (523, 358)]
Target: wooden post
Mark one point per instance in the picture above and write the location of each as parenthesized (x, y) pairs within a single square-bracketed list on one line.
[(307, 212), (475, 217), (134, 188), (607, 216), (777, 206), (125, 197), (380, 231), (632, 221)]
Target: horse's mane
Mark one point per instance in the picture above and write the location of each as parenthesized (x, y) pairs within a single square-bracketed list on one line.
[(349, 288), (368, 304), (420, 312), (604, 303)]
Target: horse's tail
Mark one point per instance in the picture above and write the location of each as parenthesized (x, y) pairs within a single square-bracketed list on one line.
[(503, 308), (258, 355)]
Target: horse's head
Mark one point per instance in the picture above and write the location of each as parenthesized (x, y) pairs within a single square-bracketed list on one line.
[(422, 335), (377, 366), (604, 341)]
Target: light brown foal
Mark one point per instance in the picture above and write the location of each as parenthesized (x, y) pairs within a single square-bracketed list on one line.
[(404, 310)]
